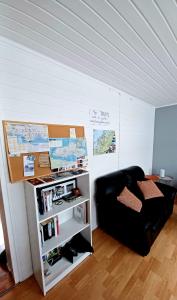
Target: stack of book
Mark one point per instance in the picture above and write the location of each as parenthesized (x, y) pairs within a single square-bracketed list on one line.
[(49, 228), (47, 198)]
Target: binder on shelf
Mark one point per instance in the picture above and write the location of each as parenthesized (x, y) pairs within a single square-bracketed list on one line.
[(46, 199), (49, 229)]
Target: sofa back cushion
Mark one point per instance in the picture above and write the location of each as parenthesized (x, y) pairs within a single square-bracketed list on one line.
[(133, 187), (149, 189), (135, 172), (109, 186), (130, 200)]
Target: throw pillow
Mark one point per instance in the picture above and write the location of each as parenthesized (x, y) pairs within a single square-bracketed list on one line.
[(149, 189), (132, 186), (130, 200)]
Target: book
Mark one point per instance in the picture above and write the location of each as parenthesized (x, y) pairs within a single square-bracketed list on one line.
[(58, 226), (50, 229), (42, 235), (45, 231), (40, 205), (80, 213), (55, 226)]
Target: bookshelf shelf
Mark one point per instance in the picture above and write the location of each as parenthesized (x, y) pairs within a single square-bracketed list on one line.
[(67, 230), (62, 268), (61, 208), (53, 224)]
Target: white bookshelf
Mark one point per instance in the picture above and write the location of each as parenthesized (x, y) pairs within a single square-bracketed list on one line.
[(69, 226)]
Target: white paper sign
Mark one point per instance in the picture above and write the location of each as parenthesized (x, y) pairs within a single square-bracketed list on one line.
[(99, 117)]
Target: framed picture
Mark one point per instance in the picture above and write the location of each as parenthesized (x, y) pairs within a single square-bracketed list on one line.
[(59, 192), (70, 185), (64, 189)]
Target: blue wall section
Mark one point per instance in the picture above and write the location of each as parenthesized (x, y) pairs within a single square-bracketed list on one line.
[(165, 141)]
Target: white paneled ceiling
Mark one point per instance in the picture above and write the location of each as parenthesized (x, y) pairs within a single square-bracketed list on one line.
[(128, 44)]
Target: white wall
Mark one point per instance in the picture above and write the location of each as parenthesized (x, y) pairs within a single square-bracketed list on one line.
[(136, 133), (37, 89)]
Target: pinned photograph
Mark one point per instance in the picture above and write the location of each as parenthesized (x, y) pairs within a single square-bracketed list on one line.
[(28, 163)]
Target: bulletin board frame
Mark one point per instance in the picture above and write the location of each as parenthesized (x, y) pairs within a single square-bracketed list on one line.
[(15, 163)]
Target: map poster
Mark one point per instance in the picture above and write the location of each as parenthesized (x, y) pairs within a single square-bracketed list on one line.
[(67, 153), (104, 141), (26, 138)]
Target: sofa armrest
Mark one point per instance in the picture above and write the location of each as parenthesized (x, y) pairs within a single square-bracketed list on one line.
[(168, 191)]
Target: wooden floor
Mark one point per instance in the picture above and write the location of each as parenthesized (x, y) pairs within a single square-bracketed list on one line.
[(6, 280), (114, 272)]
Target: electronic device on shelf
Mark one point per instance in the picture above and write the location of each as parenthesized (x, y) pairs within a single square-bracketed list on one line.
[(77, 172), (69, 198)]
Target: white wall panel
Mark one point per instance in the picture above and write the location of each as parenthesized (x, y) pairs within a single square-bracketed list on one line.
[(38, 89), (136, 133)]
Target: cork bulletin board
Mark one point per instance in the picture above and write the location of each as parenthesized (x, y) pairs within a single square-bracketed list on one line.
[(15, 162)]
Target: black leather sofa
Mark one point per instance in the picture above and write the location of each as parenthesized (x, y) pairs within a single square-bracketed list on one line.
[(137, 230)]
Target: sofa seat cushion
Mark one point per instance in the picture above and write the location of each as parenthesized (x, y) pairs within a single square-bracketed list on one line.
[(149, 189), (130, 200)]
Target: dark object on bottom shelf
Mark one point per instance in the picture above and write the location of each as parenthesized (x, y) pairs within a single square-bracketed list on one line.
[(78, 244), (68, 252)]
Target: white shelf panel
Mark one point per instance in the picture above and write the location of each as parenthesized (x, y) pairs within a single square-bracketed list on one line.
[(62, 268), (66, 231), (58, 180), (61, 208)]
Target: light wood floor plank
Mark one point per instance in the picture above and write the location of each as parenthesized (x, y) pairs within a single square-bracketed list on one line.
[(114, 272)]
